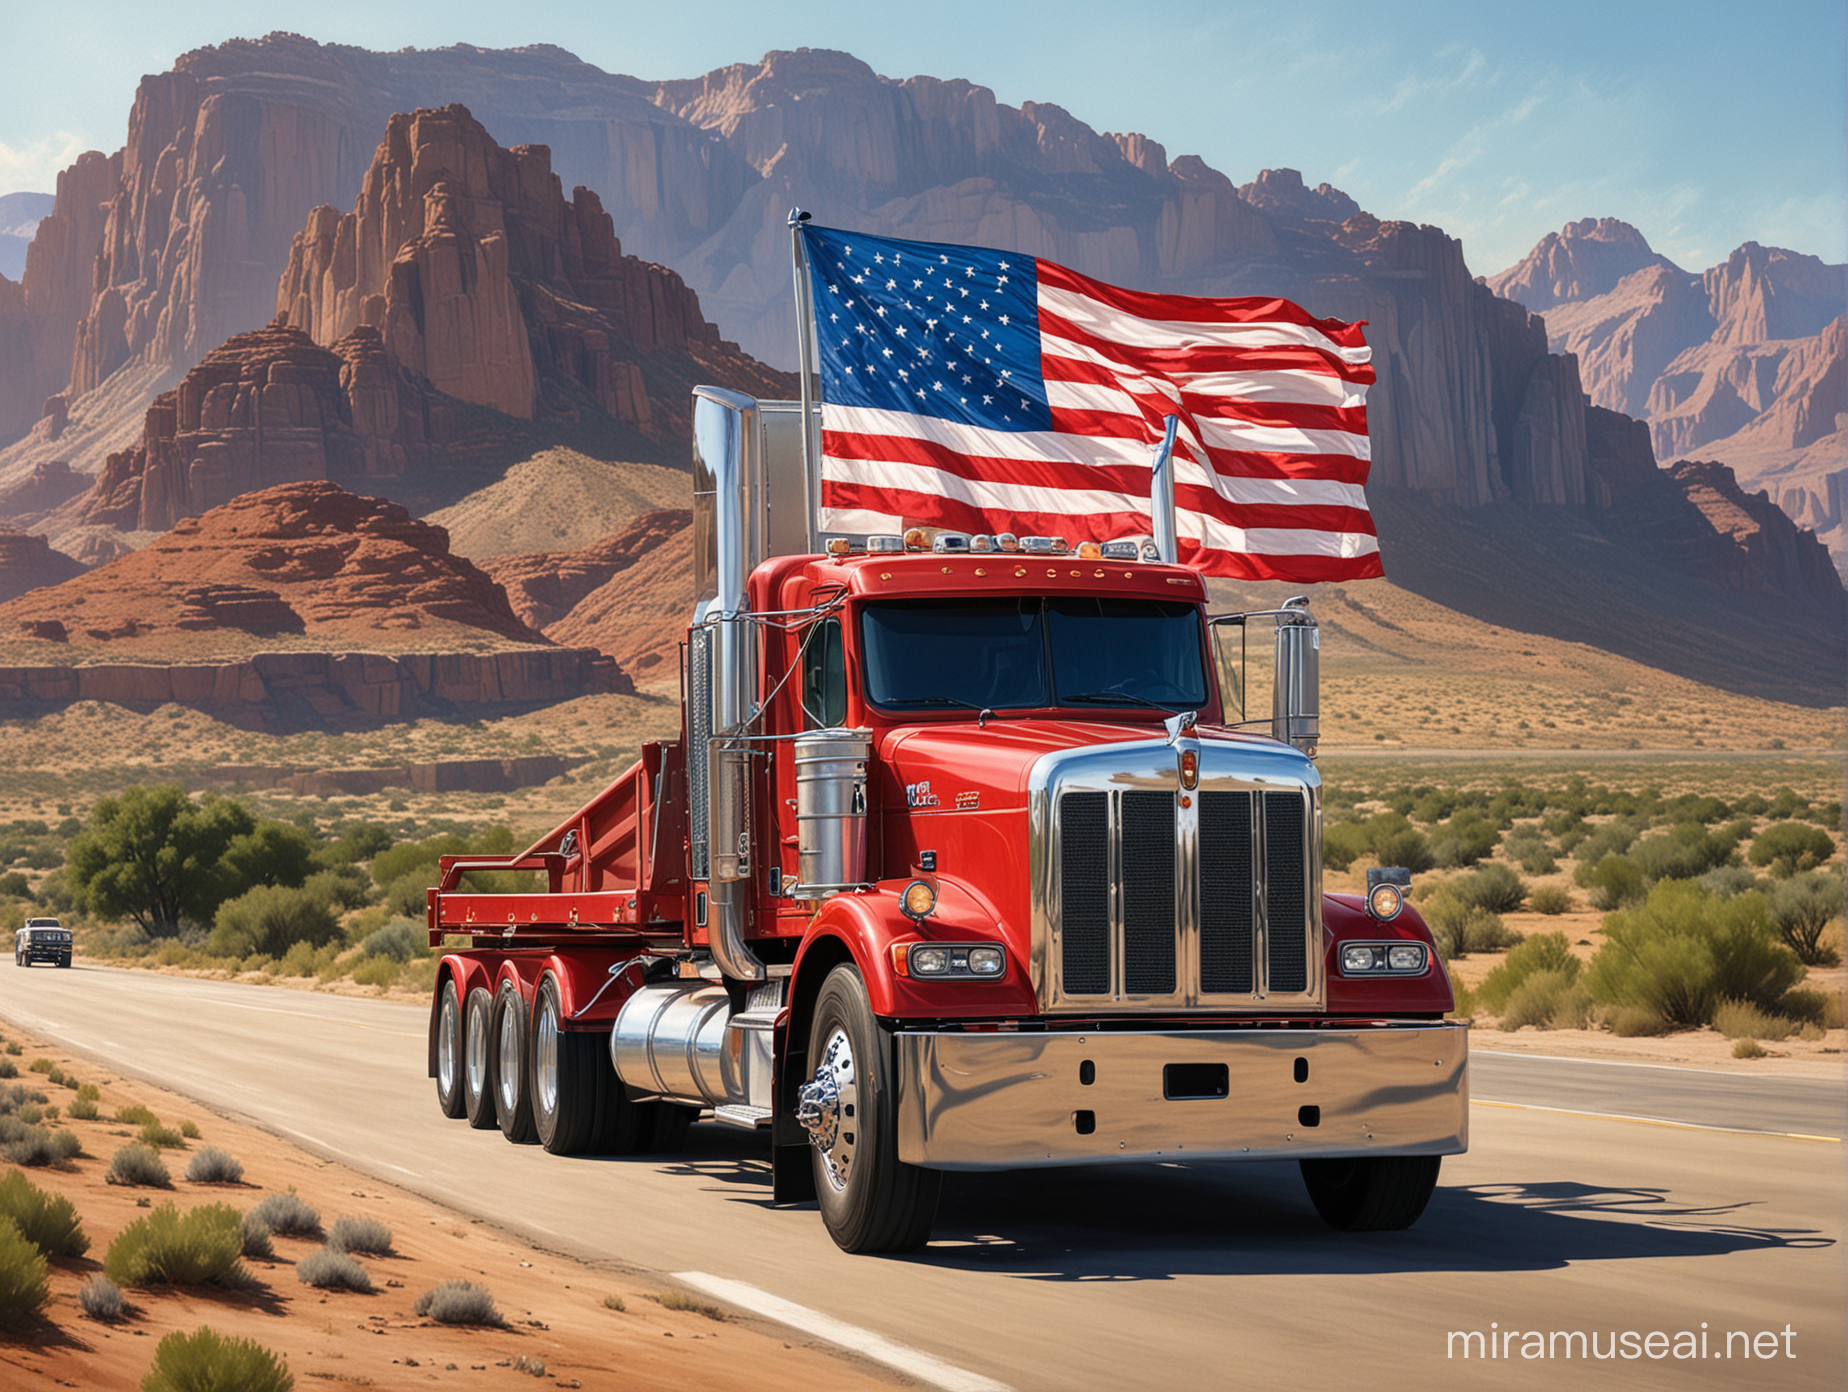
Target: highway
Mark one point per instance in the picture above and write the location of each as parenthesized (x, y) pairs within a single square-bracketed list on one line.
[(1160, 1276)]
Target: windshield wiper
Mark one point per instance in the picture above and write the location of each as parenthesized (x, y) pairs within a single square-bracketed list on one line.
[(983, 714), (1112, 698)]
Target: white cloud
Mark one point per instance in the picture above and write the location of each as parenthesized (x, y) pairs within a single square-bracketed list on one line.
[(34, 168)]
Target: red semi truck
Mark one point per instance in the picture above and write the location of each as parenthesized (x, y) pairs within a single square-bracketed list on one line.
[(965, 859)]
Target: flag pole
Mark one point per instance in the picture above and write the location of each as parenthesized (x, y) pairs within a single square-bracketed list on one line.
[(1161, 497), (805, 352)]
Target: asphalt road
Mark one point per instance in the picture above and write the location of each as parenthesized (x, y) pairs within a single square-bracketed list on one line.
[(1160, 1276)]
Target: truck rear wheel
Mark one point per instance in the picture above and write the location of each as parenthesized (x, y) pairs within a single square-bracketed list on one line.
[(871, 1201), (1372, 1193), (449, 1051), (478, 1059), (513, 1089), (575, 1095)]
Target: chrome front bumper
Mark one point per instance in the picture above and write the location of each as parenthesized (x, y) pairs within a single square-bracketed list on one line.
[(1012, 1101)]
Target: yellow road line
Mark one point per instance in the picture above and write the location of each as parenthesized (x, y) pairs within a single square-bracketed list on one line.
[(1653, 1121)]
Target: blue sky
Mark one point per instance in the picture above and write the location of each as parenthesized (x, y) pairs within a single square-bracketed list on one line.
[(1705, 124)]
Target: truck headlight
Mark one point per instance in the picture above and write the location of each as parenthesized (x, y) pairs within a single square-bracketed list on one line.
[(1383, 959), (941, 961)]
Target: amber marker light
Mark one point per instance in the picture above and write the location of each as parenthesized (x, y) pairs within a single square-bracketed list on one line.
[(1090, 551), (919, 899), (1190, 768), (914, 539)]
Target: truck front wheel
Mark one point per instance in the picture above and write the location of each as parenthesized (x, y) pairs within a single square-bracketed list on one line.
[(1373, 1193), (871, 1201)]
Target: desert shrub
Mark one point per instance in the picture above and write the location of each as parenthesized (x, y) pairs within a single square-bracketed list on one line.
[(1683, 951), (1550, 899), (214, 1166), (270, 919), (1802, 907), (1747, 1049), (82, 1110), (255, 1237), (206, 1361), (1822, 1008), (359, 1234), (614, 1302), (1463, 840), (1738, 1020), (135, 1115), (401, 939), (55, 1076), (1548, 1000), (89, 1092), (687, 1304), (102, 1299), (1493, 887), (20, 1100), (42, 1065), (25, 1275), (375, 971), (1613, 882), (357, 841), (1460, 928), (23, 1142), (189, 1129), (458, 1302), (300, 960), (1613, 838), (343, 888), (1388, 837), (288, 1215), (166, 1247), (161, 1137), (1684, 852), (326, 1269), (1728, 880), (48, 1221), (1634, 1021), (137, 1165), (1788, 848), (8, 1069), (1542, 952)]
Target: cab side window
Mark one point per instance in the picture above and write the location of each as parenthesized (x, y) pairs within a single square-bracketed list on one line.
[(824, 675)]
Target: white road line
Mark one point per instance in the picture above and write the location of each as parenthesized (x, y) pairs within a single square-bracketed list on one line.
[(909, 1361), (1652, 1121), (1638, 1063), (400, 1169)]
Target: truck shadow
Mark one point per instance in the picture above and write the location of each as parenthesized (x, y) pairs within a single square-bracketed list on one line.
[(1157, 1222)]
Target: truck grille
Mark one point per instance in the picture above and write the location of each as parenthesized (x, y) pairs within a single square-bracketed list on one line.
[(1156, 904)]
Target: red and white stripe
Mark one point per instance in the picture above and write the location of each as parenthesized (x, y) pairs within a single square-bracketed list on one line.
[(1270, 462)]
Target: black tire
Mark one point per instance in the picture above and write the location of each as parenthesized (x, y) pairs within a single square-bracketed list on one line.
[(448, 1026), (64, 961), (871, 1201), (513, 1068), (574, 1088), (478, 1059), (1374, 1193), (666, 1127)]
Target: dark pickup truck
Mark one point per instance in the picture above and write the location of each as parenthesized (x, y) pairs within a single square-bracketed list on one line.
[(42, 940)]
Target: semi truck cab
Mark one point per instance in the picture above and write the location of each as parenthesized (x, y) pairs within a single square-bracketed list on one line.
[(967, 857)]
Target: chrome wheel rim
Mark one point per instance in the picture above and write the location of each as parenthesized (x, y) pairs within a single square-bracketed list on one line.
[(827, 1108), (509, 1057), (446, 1046), (545, 1061), (475, 1051)]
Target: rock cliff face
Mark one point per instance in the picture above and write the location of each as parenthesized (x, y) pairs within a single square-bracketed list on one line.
[(481, 278), (1582, 260), (28, 563), (303, 558), (1773, 553), (1746, 362), (544, 587)]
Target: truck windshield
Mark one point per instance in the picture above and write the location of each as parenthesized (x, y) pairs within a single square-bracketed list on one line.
[(1026, 652)]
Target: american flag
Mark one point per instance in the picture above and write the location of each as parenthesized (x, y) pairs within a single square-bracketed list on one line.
[(985, 391)]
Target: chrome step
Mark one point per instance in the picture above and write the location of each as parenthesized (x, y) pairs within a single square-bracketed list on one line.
[(750, 1118)]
